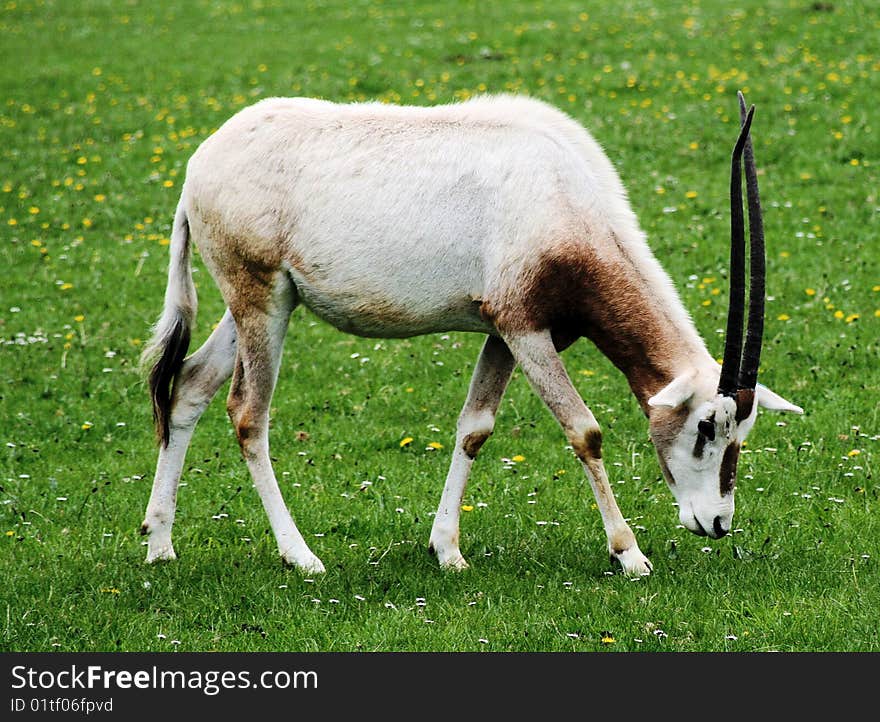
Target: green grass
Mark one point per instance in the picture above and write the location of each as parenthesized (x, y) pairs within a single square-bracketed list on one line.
[(100, 111)]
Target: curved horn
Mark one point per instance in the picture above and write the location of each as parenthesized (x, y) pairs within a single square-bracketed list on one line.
[(733, 339), (748, 373)]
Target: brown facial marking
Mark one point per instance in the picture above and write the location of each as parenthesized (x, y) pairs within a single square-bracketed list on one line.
[(590, 446), (727, 475), (745, 400), (665, 469), (472, 442), (666, 425)]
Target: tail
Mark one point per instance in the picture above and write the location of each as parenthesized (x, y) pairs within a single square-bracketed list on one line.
[(167, 348)]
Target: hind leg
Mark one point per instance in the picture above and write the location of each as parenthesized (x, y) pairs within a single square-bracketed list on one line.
[(261, 329), (200, 377)]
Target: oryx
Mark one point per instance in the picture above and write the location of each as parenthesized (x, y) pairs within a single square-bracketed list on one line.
[(501, 216)]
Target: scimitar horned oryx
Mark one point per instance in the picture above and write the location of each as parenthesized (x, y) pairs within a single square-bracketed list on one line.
[(500, 215)]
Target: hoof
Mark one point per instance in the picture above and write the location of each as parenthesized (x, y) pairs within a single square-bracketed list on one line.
[(454, 564), (633, 562), (306, 564), (161, 553), (449, 557)]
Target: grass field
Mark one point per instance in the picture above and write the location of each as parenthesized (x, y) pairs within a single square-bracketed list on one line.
[(103, 103)]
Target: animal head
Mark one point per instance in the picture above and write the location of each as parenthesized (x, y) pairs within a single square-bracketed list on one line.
[(700, 419), (697, 433)]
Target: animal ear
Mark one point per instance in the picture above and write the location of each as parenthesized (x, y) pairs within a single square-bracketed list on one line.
[(674, 394), (771, 401)]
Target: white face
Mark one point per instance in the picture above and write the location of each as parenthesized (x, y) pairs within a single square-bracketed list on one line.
[(698, 445), (698, 438)]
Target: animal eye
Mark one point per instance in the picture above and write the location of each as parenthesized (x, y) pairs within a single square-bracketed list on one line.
[(706, 428)]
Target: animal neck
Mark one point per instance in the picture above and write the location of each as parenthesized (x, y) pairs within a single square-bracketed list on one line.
[(650, 356), (634, 316), (615, 293)]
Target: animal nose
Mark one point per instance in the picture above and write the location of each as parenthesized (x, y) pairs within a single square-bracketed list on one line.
[(719, 530), (699, 531)]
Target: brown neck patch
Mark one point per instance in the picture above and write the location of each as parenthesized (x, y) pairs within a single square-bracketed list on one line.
[(576, 290)]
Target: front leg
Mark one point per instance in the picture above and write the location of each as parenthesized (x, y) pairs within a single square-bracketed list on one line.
[(622, 544), (475, 424), (545, 371)]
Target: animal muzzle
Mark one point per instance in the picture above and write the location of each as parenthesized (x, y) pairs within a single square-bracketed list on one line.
[(702, 524)]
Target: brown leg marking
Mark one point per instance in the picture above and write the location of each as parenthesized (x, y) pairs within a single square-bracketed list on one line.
[(621, 540), (473, 442), (246, 428), (589, 446)]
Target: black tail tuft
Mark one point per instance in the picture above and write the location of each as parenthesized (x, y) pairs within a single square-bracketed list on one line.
[(163, 374)]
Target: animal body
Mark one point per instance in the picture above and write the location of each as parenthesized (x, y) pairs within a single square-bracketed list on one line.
[(500, 216)]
